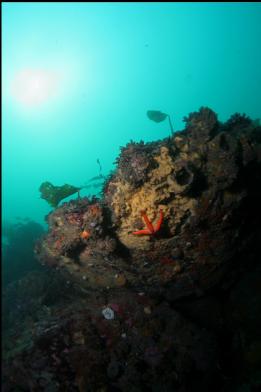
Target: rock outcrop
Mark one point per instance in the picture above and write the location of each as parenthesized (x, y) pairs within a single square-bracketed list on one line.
[(203, 182)]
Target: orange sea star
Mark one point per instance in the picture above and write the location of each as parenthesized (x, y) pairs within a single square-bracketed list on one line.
[(150, 228)]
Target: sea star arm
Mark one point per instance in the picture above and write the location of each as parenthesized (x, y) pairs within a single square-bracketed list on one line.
[(159, 222), (140, 232), (148, 222)]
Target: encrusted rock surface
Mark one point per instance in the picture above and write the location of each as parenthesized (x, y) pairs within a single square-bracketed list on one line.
[(75, 348), (174, 309), (204, 179)]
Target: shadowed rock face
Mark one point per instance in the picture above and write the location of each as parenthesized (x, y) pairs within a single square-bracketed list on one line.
[(73, 347), (204, 179)]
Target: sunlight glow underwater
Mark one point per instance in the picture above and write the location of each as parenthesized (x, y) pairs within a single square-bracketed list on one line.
[(32, 87)]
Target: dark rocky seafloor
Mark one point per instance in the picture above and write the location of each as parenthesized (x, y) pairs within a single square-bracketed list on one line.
[(175, 309)]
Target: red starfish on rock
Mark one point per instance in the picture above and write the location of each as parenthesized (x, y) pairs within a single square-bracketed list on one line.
[(150, 228)]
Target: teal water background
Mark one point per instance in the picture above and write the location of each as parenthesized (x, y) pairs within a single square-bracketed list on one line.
[(115, 61)]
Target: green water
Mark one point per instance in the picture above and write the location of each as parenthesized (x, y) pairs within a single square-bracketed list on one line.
[(101, 67)]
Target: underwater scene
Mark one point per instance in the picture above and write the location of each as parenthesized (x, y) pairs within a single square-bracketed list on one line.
[(131, 201)]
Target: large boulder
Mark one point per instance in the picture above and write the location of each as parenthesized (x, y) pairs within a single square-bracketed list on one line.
[(177, 216)]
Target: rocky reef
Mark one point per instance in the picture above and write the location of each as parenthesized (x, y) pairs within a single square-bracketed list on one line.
[(178, 216), (155, 285)]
